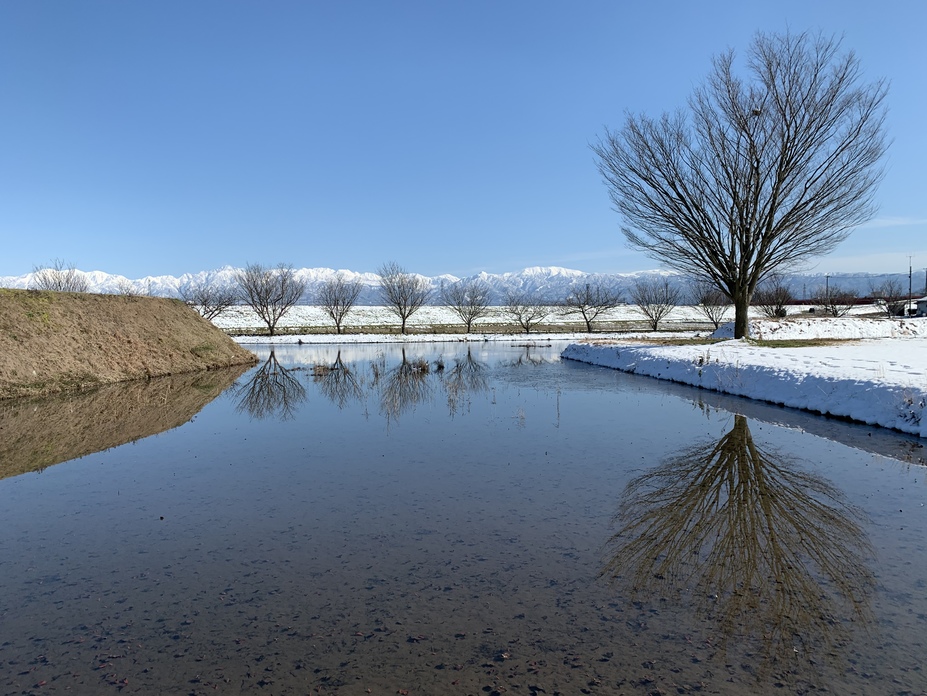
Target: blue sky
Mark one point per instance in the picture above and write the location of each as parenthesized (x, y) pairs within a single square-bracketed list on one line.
[(148, 138)]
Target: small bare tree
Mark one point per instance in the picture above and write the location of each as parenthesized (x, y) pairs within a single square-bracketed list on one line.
[(655, 299), (126, 288), (890, 295), (773, 296), (209, 296), (270, 292), (834, 300), (337, 297), (59, 276), (525, 310), (403, 293), (468, 299), (590, 301), (710, 301)]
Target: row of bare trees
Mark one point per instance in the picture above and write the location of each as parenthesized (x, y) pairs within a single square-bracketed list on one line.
[(272, 291)]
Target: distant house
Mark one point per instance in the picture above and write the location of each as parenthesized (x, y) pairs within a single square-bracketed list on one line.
[(921, 307)]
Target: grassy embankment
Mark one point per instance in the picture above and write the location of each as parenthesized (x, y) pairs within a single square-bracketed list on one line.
[(58, 342)]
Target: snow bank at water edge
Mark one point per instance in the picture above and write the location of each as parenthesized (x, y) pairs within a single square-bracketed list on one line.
[(876, 381)]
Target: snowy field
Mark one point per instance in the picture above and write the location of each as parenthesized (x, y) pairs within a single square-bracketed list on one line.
[(878, 377), (371, 324)]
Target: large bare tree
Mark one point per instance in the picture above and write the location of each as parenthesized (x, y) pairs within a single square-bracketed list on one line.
[(590, 301), (763, 172), (271, 292), (337, 297), (467, 298), (58, 276), (403, 293)]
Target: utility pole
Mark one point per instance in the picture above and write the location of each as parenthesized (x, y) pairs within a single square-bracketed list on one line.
[(910, 293)]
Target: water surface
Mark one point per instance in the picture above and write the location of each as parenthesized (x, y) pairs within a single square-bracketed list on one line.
[(451, 519)]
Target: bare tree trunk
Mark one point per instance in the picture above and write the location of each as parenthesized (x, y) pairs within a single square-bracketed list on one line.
[(741, 311)]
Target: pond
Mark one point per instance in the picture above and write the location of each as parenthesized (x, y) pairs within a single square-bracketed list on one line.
[(454, 519)]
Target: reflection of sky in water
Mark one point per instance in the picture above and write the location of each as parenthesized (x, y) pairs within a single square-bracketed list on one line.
[(458, 537)]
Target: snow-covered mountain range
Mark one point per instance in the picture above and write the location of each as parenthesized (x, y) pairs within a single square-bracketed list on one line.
[(548, 283)]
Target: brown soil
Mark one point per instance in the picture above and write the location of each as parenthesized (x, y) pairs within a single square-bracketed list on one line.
[(54, 341), (36, 433)]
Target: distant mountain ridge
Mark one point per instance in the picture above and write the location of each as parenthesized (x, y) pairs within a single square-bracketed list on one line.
[(548, 283)]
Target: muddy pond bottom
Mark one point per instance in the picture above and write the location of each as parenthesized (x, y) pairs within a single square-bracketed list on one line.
[(483, 519)]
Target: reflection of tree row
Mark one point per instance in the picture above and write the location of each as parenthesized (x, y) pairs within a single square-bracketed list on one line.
[(272, 391), (766, 552)]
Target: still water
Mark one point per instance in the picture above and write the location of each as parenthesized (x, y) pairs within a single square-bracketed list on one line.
[(445, 519)]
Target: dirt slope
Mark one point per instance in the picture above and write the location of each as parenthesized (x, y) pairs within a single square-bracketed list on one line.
[(52, 341)]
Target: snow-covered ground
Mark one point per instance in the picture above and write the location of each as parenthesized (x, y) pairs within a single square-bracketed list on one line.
[(243, 319), (879, 377)]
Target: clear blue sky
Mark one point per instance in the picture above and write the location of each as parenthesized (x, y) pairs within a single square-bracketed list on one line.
[(148, 138)]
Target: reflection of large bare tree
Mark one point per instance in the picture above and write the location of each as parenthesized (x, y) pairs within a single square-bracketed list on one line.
[(338, 382), (466, 377), (403, 386), (271, 392), (770, 554)]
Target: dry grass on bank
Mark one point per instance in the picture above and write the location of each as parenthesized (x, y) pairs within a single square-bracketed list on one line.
[(53, 342)]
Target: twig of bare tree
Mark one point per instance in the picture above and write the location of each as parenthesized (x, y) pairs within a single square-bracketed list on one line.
[(763, 173), (468, 299), (403, 293), (59, 276), (655, 299), (525, 310), (337, 297), (271, 292), (590, 301)]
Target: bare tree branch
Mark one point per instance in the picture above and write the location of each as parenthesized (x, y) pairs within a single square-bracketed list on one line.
[(761, 174)]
